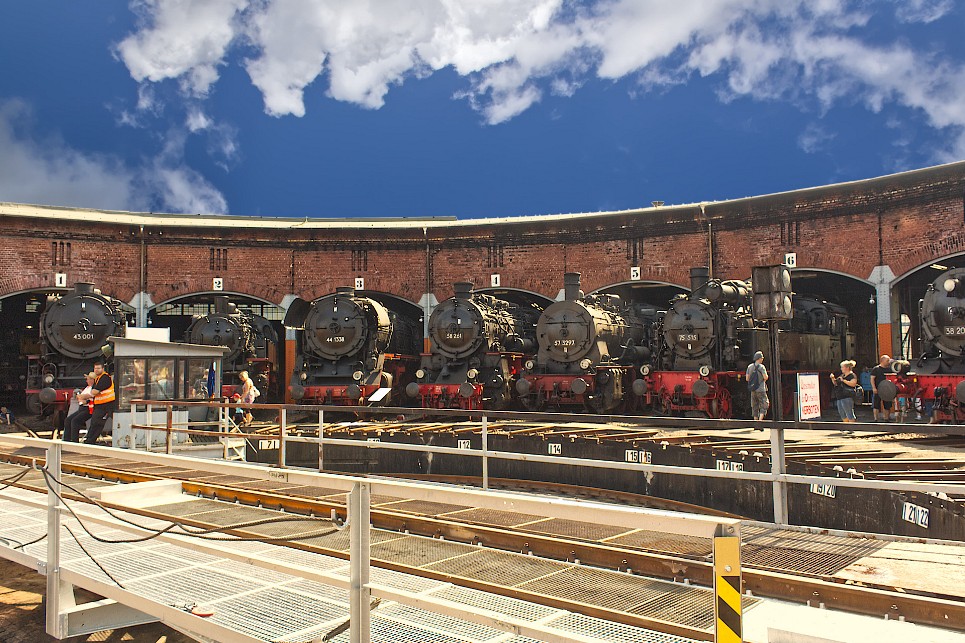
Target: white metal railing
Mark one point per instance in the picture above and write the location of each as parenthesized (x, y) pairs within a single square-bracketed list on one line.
[(778, 476), (725, 533)]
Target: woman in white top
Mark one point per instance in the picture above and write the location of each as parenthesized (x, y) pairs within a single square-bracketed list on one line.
[(78, 419), (248, 394)]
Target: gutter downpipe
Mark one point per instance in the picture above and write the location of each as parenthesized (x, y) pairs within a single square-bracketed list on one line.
[(710, 241), (141, 308)]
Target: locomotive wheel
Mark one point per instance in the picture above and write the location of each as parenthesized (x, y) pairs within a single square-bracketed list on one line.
[(33, 404), (723, 404)]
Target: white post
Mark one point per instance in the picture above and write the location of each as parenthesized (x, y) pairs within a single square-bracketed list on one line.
[(360, 595), (485, 448), (778, 467), (150, 433), (321, 436), (58, 600), (283, 430)]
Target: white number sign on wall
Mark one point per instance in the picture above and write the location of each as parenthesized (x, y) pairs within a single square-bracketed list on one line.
[(494, 281), (217, 284), (360, 283), (465, 444), (60, 280), (790, 259), (915, 514), (635, 273), (555, 448)]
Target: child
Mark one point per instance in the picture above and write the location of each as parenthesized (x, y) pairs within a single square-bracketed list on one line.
[(239, 412), (6, 417)]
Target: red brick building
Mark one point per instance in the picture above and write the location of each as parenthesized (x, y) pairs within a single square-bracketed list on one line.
[(869, 244)]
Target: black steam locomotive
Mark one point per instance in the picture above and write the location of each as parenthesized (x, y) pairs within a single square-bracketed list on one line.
[(350, 349), (477, 344), (937, 376), (249, 339), (590, 348), (73, 329), (709, 336)]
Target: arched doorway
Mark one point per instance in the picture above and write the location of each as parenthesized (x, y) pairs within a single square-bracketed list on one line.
[(654, 293), (856, 296), (907, 291)]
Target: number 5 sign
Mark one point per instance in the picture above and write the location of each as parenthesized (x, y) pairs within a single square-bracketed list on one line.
[(635, 273)]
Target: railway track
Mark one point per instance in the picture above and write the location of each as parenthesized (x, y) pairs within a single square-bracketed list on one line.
[(792, 566)]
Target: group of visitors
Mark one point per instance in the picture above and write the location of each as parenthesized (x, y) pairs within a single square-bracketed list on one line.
[(95, 403), (845, 388)]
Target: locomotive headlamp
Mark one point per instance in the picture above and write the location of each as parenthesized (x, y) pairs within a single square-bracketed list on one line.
[(645, 369), (585, 363), (472, 373), (357, 375), (529, 365), (304, 376), (950, 285), (704, 370), (420, 374), (48, 379)]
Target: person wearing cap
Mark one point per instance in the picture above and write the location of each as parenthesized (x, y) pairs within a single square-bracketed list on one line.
[(880, 408), (239, 412), (757, 385)]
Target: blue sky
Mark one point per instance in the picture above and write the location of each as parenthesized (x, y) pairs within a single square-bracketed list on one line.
[(327, 108)]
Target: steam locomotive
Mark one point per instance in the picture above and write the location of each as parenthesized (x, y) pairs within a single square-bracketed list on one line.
[(937, 376), (709, 336), (590, 348), (73, 329), (350, 349), (477, 344), (248, 338)]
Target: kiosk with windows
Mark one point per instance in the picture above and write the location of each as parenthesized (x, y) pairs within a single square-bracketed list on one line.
[(159, 370)]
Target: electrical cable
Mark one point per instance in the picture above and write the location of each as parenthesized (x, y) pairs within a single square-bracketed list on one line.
[(187, 530), (91, 556)]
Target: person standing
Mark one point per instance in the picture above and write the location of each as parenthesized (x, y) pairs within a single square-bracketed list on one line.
[(104, 402), (78, 419), (843, 391), (757, 385), (880, 408), (248, 394)]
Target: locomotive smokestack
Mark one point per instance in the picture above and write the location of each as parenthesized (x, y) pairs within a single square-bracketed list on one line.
[(698, 277), (221, 305), (347, 291), (571, 286), (462, 290), (82, 287)]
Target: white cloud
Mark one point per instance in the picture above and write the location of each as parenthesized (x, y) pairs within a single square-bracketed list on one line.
[(49, 171), (816, 53), (922, 10), (183, 39), (814, 138)]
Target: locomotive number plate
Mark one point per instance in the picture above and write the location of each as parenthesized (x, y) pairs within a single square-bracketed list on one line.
[(83, 335), (955, 330), (564, 342), (335, 340), (691, 337), (455, 336)]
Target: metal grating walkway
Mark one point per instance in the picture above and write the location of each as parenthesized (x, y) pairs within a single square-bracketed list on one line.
[(274, 606)]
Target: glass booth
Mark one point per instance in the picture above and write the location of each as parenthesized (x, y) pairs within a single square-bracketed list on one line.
[(158, 370)]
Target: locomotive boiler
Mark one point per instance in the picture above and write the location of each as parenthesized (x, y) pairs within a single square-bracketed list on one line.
[(476, 349), (249, 339), (73, 329), (350, 349), (936, 378), (590, 347)]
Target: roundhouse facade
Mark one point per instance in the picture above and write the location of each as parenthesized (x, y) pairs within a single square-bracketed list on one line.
[(869, 243)]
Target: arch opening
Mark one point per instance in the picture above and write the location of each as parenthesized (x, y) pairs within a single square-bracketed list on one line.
[(655, 293), (907, 292)]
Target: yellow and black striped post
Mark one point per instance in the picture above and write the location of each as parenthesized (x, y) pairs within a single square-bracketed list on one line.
[(728, 612)]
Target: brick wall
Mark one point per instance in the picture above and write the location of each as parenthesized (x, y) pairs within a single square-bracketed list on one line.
[(906, 220)]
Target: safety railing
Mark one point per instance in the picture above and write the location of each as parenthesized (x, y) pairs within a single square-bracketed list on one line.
[(725, 532), (778, 476)]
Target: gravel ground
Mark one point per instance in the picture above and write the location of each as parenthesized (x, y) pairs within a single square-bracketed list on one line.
[(22, 613)]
